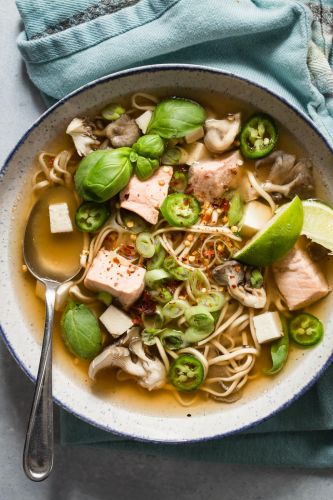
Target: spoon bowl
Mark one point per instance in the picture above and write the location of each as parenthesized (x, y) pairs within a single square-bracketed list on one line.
[(38, 448)]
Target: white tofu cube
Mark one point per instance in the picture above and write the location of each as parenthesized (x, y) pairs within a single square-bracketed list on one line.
[(116, 321), (143, 120), (268, 327), (256, 214), (195, 136), (197, 152), (60, 221)]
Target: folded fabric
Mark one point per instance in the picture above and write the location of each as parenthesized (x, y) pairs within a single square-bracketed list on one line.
[(284, 45)]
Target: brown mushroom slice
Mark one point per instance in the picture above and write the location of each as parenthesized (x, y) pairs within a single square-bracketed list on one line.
[(116, 356), (81, 132), (232, 275), (122, 132), (288, 177), (220, 134)]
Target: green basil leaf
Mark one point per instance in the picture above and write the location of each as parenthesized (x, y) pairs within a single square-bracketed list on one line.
[(176, 117), (279, 350), (145, 167), (80, 331), (150, 146), (100, 177)]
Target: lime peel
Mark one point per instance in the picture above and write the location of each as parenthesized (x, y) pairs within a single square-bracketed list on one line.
[(276, 238)]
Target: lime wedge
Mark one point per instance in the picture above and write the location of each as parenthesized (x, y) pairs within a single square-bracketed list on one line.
[(276, 238), (318, 223)]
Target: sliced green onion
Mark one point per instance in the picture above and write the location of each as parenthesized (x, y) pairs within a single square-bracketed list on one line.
[(193, 335), (145, 245), (197, 282), (172, 339), (155, 320), (113, 111), (161, 295), (178, 272), (213, 300), (256, 279), (199, 317), (179, 182), (174, 309), (148, 335), (235, 212), (156, 277), (105, 297), (157, 260)]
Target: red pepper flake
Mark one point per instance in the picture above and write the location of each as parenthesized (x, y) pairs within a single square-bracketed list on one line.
[(225, 205), (145, 304), (116, 260), (233, 286), (137, 320), (129, 272)]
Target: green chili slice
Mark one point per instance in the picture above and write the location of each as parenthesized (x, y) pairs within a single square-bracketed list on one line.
[(306, 330), (279, 350), (186, 373), (91, 216), (258, 136), (161, 295), (180, 210), (156, 277), (212, 300)]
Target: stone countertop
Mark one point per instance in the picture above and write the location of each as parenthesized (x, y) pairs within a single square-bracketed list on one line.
[(96, 473)]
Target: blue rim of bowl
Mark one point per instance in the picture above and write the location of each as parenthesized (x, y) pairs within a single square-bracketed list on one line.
[(116, 76)]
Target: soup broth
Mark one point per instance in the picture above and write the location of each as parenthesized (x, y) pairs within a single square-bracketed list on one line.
[(109, 383)]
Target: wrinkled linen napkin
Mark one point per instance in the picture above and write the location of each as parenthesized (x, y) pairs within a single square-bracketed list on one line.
[(285, 45)]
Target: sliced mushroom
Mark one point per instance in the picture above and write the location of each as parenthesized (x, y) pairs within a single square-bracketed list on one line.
[(155, 373), (288, 177), (232, 274), (220, 134), (81, 132), (122, 132), (116, 356)]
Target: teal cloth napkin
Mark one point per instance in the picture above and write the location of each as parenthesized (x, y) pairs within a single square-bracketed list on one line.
[(285, 45)]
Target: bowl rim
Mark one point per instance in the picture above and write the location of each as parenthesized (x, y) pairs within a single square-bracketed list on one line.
[(115, 76)]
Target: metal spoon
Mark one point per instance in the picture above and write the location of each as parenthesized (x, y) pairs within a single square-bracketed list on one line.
[(38, 447)]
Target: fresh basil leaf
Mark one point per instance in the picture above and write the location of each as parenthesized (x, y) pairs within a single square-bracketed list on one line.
[(101, 176), (176, 117), (279, 350), (80, 331), (150, 146), (145, 167)]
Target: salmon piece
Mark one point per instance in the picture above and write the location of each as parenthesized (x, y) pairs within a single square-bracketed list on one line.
[(116, 275), (146, 197), (209, 180), (299, 279)]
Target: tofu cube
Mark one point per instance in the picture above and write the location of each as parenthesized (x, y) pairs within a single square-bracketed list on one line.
[(256, 214), (268, 327), (197, 152), (143, 121), (60, 221), (195, 136), (116, 321)]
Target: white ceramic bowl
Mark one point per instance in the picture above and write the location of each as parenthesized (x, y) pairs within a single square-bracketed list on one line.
[(156, 423)]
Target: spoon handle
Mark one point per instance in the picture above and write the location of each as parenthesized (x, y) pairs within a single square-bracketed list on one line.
[(38, 447)]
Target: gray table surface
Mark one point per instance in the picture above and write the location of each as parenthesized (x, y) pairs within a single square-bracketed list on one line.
[(92, 473)]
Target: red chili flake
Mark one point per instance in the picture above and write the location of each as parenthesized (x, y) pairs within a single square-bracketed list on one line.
[(209, 253), (50, 162), (116, 284), (116, 260), (233, 286), (225, 205), (145, 305), (137, 320), (126, 196), (129, 272), (186, 202)]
